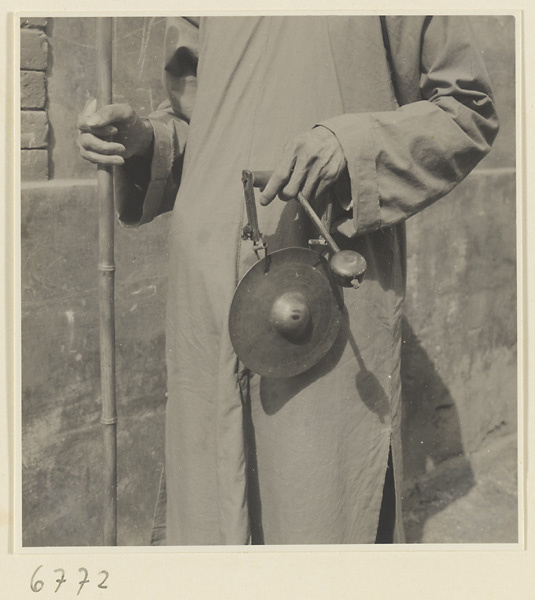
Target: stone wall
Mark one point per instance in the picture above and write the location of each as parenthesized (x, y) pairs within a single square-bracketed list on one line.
[(459, 331), (459, 351)]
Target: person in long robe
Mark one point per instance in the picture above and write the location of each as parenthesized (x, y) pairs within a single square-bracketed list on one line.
[(388, 114)]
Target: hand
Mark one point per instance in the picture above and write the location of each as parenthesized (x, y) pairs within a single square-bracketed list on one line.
[(131, 135), (311, 162)]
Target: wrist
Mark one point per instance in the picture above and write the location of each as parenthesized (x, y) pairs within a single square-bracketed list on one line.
[(144, 139)]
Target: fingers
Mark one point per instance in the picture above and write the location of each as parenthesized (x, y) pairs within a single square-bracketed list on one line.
[(291, 172), (99, 151), (317, 182), (310, 180), (281, 176), (104, 119), (112, 113), (93, 143), (102, 159), (89, 109), (102, 132), (95, 126), (298, 178), (311, 163), (312, 188)]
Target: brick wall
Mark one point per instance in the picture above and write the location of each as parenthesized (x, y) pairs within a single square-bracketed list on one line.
[(33, 99)]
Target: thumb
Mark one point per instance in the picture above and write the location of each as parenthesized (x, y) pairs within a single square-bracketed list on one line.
[(109, 114), (87, 111), (90, 106)]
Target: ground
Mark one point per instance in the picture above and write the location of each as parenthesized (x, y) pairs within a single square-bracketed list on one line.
[(467, 499)]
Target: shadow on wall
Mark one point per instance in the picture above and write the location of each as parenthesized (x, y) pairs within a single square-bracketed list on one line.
[(431, 434)]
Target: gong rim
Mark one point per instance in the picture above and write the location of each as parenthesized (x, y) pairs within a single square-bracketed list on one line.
[(257, 343)]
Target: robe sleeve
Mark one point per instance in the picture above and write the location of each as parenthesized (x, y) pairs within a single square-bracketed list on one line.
[(401, 161), (145, 188)]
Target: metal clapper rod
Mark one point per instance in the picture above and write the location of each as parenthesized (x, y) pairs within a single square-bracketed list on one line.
[(347, 265)]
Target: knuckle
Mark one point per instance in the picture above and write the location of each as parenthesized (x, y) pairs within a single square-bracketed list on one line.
[(107, 113), (125, 112), (289, 145), (301, 138), (287, 193), (297, 144), (280, 174), (310, 148)]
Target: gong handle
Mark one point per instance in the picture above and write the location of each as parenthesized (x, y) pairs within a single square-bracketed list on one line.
[(260, 179)]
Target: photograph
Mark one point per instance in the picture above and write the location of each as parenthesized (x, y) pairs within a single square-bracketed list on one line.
[(269, 274)]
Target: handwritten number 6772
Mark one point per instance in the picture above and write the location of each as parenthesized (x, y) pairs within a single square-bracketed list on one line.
[(36, 585)]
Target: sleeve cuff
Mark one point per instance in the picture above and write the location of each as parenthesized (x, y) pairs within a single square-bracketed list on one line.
[(160, 171), (143, 186), (355, 133)]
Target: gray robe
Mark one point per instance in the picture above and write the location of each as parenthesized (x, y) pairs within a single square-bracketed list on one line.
[(300, 460)]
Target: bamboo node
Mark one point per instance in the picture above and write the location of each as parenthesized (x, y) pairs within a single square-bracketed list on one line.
[(106, 268)]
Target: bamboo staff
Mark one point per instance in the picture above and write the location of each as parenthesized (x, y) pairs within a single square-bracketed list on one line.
[(106, 269)]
